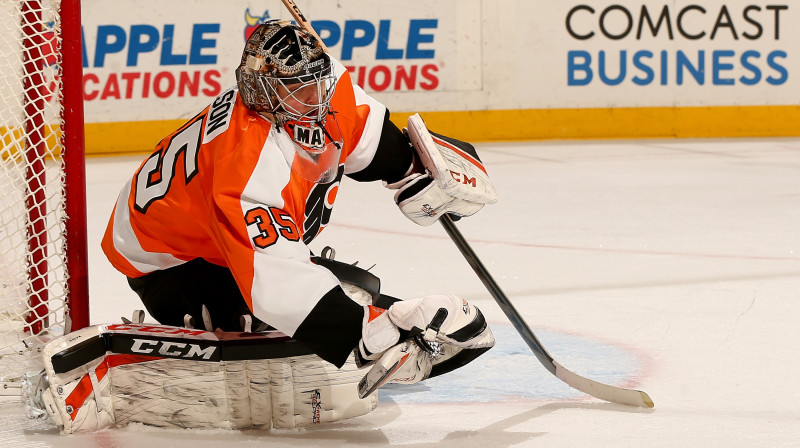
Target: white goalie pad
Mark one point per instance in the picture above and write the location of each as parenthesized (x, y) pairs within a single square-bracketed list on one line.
[(112, 375), (454, 165)]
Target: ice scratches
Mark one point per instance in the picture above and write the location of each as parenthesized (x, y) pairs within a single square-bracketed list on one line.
[(745, 311)]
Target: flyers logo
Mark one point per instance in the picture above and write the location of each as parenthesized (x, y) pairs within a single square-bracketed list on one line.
[(319, 207)]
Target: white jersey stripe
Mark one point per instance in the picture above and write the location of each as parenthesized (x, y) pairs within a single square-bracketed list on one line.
[(126, 243), (284, 304)]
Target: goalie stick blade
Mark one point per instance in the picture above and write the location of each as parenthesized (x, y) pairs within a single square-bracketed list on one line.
[(603, 391), (598, 390)]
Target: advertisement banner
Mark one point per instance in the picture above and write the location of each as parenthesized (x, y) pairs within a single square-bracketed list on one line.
[(480, 69), (658, 53), (168, 60)]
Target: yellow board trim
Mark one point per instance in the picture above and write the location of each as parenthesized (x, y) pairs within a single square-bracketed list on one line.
[(130, 137), (13, 141), (532, 124)]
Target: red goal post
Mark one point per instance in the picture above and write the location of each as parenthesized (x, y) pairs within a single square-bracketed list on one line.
[(43, 246)]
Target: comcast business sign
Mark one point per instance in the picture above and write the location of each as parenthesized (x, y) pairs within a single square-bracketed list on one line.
[(678, 44)]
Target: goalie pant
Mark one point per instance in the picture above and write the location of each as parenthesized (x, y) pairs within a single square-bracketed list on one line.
[(104, 376)]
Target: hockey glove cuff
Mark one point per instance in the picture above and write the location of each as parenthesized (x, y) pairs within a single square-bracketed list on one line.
[(422, 201)]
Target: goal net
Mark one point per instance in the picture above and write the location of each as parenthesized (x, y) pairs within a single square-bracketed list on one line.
[(42, 192)]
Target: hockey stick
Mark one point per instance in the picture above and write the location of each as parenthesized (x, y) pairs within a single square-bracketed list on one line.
[(599, 390), (602, 391), (302, 21)]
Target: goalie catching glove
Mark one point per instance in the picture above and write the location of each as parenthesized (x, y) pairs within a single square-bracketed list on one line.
[(404, 342), (454, 180)]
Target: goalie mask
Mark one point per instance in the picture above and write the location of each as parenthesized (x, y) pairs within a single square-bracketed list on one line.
[(285, 72)]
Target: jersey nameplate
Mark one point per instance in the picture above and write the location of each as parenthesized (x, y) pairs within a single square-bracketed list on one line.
[(219, 115)]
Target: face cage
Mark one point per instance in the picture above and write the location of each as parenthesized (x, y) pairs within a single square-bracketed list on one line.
[(323, 85)]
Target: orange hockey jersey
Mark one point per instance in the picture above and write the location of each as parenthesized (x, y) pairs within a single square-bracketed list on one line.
[(221, 188)]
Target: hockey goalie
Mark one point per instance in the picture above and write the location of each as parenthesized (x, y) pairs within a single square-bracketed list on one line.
[(212, 233)]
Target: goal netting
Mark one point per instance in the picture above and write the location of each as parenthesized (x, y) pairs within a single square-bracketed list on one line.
[(40, 120)]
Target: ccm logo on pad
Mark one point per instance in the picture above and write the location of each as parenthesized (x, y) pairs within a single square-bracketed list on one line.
[(172, 349), (463, 179)]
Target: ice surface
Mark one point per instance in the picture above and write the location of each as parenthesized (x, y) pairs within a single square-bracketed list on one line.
[(672, 266)]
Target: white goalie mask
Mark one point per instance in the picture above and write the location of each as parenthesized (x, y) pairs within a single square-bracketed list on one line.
[(285, 72)]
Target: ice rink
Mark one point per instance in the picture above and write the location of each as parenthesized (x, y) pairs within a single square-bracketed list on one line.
[(671, 266)]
